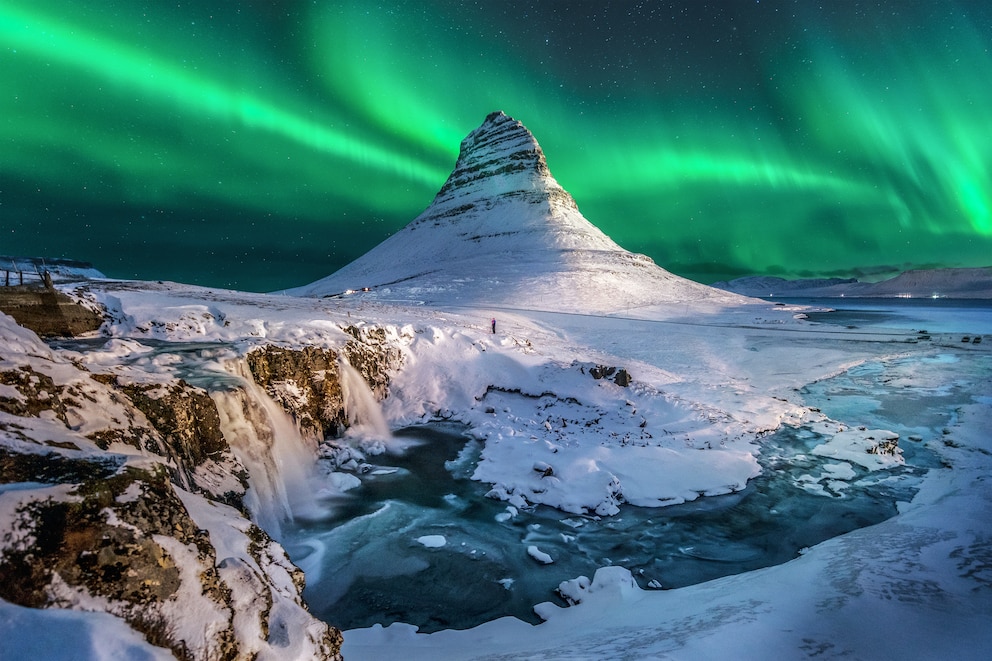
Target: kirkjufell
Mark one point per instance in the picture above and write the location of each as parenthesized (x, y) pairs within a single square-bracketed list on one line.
[(502, 231)]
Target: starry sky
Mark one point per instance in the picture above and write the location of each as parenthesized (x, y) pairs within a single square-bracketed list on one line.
[(256, 145)]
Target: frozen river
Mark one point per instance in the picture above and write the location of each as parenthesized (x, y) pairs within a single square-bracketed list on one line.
[(418, 541), (423, 545)]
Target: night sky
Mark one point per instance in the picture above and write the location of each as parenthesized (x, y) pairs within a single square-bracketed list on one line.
[(260, 144)]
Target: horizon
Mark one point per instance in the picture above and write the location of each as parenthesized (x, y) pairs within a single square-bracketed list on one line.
[(261, 147)]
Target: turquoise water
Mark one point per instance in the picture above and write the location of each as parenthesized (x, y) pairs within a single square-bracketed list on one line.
[(365, 565)]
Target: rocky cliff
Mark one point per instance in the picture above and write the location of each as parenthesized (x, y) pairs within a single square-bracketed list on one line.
[(47, 311), (307, 382), (125, 492)]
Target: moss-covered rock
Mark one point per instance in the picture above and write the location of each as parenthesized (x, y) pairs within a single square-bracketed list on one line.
[(112, 543), (30, 393), (306, 383)]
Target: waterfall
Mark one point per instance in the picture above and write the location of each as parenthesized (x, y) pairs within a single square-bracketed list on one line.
[(279, 461), (363, 409)]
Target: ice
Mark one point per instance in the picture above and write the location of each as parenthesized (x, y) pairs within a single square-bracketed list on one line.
[(539, 555), (432, 541), (864, 447), (489, 543)]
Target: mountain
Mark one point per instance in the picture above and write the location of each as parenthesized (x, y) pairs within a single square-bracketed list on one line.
[(921, 283), (502, 232)]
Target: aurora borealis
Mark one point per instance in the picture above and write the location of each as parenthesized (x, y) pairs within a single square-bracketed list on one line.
[(259, 145)]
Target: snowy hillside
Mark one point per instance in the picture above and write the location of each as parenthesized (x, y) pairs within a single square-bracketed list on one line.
[(503, 232)]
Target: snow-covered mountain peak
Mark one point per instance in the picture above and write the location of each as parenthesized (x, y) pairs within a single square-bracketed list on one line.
[(501, 195), (500, 147), (502, 231)]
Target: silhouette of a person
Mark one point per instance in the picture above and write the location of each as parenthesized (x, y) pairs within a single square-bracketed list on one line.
[(494, 324)]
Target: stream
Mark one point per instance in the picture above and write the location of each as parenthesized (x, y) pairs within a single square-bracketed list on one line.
[(418, 542)]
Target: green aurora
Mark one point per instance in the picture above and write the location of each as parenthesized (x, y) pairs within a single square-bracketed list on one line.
[(259, 145)]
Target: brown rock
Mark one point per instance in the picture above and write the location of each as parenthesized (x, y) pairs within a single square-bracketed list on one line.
[(48, 312)]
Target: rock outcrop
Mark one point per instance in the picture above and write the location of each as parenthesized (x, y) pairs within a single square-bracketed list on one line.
[(119, 540), (47, 311), (127, 498), (621, 377), (374, 354), (500, 164), (307, 382), (189, 434), (127, 544)]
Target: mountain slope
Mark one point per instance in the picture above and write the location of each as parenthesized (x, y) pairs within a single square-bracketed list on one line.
[(503, 232)]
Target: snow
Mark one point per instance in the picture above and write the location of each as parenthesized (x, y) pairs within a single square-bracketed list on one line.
[(457, 250), (861, 447), (715, 385), (432, 541), (707, 387), (539, 555), (65, 635), (901, 589), (241, 572), (11, 393), (340, 482)]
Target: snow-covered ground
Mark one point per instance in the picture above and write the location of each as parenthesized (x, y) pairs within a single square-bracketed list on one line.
[(916, 586), (705, 386)]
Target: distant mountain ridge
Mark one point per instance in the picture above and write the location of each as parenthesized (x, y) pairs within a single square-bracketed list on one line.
[(502, 231), (921, 283)]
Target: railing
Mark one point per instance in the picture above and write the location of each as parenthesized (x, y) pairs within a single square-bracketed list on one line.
[(16, 276), (16, 271)]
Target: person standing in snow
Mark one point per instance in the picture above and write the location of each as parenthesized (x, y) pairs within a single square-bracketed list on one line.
[(494, 325)]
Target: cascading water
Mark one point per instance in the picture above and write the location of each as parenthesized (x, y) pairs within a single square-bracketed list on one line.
[(280, 462), (363, 410)]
